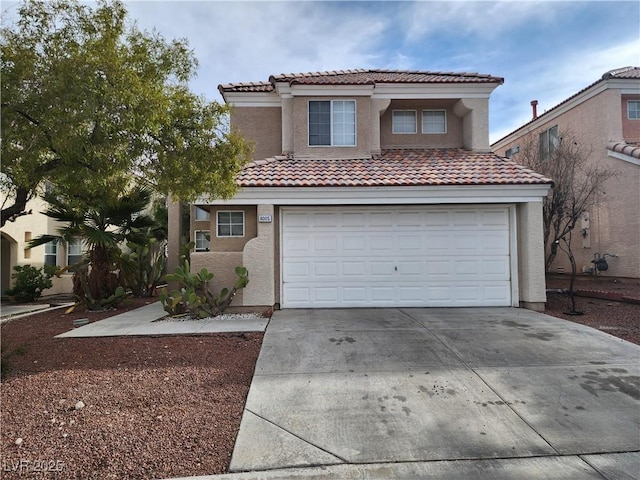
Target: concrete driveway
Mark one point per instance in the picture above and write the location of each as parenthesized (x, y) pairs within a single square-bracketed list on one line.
[(446, 393)]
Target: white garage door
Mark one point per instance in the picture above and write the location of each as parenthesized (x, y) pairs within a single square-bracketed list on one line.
[(401, 256)]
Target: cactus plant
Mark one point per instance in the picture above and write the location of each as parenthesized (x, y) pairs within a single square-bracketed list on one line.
[(194, 295)]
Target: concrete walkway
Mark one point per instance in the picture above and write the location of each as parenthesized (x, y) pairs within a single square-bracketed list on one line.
[(493, 393), (142, 321)]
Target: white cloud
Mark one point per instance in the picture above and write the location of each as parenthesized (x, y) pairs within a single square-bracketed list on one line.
[(479, 18), (248, 41), (551, 84)]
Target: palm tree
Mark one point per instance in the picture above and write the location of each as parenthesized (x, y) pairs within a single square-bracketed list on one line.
[(103, 224)]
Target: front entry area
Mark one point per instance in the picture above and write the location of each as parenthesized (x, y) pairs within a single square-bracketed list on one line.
[(397, 256)]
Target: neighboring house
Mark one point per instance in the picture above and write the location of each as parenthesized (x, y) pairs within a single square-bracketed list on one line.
[(606, 117), (373, 188), (16, 236)]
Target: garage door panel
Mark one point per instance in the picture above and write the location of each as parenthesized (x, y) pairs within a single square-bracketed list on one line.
[(353, 243), (427, 256)]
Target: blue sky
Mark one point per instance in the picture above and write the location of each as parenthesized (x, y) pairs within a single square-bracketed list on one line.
[(544, 50)]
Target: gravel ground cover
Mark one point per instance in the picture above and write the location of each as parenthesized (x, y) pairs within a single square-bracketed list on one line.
[(150, 407), (159, 407)]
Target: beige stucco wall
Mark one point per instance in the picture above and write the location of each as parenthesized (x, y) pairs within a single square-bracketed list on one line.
[(262, 126), (451, 139), (300, 122), (614, 220), (20, 232), (222, 265), (531, 280), (258, 258), (226, 244)]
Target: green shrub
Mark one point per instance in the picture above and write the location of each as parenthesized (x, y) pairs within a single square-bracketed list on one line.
[(30, 282), (194, 296)]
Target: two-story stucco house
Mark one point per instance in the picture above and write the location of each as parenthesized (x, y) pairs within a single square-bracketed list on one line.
[(373, 188), (605, 117)]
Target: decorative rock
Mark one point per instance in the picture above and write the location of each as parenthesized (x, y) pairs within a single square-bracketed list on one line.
[(18, 441), (80, 321), (80, 405)]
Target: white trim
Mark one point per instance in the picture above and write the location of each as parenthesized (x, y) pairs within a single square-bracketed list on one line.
[(622, 156), (252, 99), (331, 90), (396, 91), (432, 194), (513, 256), (231, 235)]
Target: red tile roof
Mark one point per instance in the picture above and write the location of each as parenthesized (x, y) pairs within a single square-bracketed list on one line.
[(360, 77), (627, 148), (398, 167)]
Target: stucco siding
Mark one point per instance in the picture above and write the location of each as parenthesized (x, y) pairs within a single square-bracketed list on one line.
[(17, 235), (262, 126), (226, 244), (300, 118), (614, 218), (451, 139), (223, 265), (532, 290)]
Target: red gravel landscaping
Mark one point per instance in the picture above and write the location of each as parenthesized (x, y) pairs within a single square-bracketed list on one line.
[(154, 407)]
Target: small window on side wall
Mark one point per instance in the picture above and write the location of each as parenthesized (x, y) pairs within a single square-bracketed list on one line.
[(230, 224), (404, 121), (434, 121), (201, 214), (633, 109), (202, 240)]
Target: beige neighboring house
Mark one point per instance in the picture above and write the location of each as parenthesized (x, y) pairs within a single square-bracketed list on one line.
[(372, 188), (606, 116), (16, 236)]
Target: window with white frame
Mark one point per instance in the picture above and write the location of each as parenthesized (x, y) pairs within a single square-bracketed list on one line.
[(201, 214), (633, 109), (332, 123), (230, 224), (75, 250), (51, 253), (404, 121), (434, 121), (549, 142), (202, 240)]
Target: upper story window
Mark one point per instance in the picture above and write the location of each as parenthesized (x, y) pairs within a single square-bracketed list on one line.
[(332, 123), (434, 121), (201, 214), (549, 142), (230, 224), (633, 109), (75, 249), (404, 121)]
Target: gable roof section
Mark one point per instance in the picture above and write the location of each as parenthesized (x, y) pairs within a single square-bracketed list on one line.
[(397, 167), (624, 73), (359, 77)]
